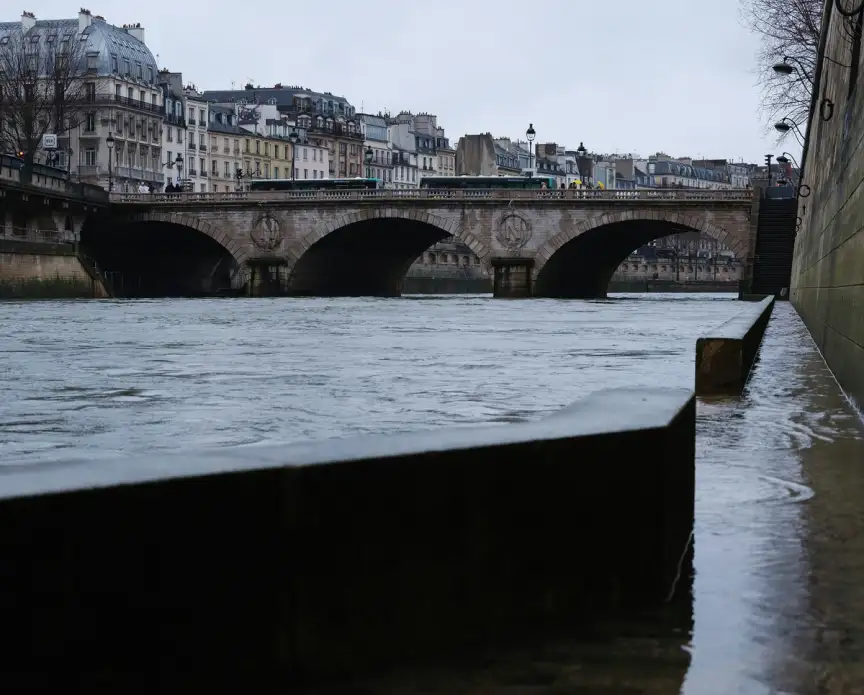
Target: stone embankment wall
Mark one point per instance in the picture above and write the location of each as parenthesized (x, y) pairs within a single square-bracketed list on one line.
[(828, 268), (30, 270)]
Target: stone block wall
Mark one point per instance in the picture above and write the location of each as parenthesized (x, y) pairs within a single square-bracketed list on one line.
[(30, 270), (828, 268)]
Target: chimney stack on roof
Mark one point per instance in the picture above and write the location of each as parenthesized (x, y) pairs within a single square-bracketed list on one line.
[(28, 21)]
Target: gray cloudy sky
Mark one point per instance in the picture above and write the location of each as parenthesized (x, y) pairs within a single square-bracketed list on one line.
[(627, 76)]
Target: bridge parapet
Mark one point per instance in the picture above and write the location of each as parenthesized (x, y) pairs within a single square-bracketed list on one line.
[(388, 195)]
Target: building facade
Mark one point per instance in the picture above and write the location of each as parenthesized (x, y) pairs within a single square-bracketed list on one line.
[(403, 147), (173, 126), (686, 257), (328, 121), (225, 156), (375, 139), (197, 170), (120, 97)]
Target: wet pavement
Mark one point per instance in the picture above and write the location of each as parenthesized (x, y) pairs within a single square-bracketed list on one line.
[(778, 592)]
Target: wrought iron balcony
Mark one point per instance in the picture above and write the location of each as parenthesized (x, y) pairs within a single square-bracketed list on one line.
[(116, 99)]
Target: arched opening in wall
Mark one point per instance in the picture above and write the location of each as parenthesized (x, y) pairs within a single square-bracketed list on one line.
[(583, 267), (368, 258), (159, 259)]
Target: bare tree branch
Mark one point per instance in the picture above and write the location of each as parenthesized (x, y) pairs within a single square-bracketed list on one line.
[(44, 88), (789, 30)]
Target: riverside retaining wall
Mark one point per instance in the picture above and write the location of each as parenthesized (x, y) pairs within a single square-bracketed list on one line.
[(40, 270), (255, 567), (828, 266)]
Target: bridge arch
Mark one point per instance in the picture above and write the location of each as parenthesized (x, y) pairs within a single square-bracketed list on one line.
[(191, 221), (579, 263), (367, 253), (164, 254)]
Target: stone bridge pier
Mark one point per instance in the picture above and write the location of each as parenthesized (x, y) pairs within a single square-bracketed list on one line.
[(563, 244)]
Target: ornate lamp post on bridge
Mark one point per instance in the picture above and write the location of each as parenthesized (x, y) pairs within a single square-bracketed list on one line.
[(530, 134), (582, 156), (367, 156), (110, 142), (293, 137), (178, 162)]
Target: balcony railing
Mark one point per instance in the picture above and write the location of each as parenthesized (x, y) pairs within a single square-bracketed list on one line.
[(174, 119), (214, 174), (502, 195), (203, 148), (227, 150), (191, 145), (192, 121), (126, 101), (192, 172)]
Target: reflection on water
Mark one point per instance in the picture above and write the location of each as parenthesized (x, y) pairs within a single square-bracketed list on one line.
[(778, 596)]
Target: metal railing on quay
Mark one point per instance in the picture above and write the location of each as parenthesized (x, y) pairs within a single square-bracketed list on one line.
[(50, 236), (441, 194)]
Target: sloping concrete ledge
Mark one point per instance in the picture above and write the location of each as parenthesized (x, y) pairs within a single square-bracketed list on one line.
[(725, 357), (256, 567)]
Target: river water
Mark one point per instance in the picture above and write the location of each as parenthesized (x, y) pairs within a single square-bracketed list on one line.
[(778, 595)]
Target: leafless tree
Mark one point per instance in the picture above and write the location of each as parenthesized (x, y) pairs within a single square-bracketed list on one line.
[(789, 30), (44, 88)]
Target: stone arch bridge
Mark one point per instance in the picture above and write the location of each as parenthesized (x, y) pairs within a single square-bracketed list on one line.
[(328, 243)]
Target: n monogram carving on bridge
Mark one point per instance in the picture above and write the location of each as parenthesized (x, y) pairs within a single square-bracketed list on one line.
[(513, 231), (266, 232)]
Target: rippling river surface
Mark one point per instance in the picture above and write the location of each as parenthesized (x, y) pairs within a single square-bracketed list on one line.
[(778, 597)]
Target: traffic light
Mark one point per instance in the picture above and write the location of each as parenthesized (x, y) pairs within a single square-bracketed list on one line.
[(768, 158)]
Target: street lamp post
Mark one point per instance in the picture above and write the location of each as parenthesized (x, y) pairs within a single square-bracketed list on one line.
[(368, 157), (293, 137), (178, 162), (110, 142), (784, 125), (582, 154), (530, 134), (784, 68)]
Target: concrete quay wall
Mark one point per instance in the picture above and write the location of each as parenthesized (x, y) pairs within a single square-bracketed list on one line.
[(36, 270), (828, 268), (257, 567), (725, 357)]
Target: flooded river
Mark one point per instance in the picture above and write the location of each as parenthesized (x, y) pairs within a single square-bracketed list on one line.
[(778, 596)]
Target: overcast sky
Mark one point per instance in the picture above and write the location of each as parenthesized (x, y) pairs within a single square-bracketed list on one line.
[(626, 76)]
